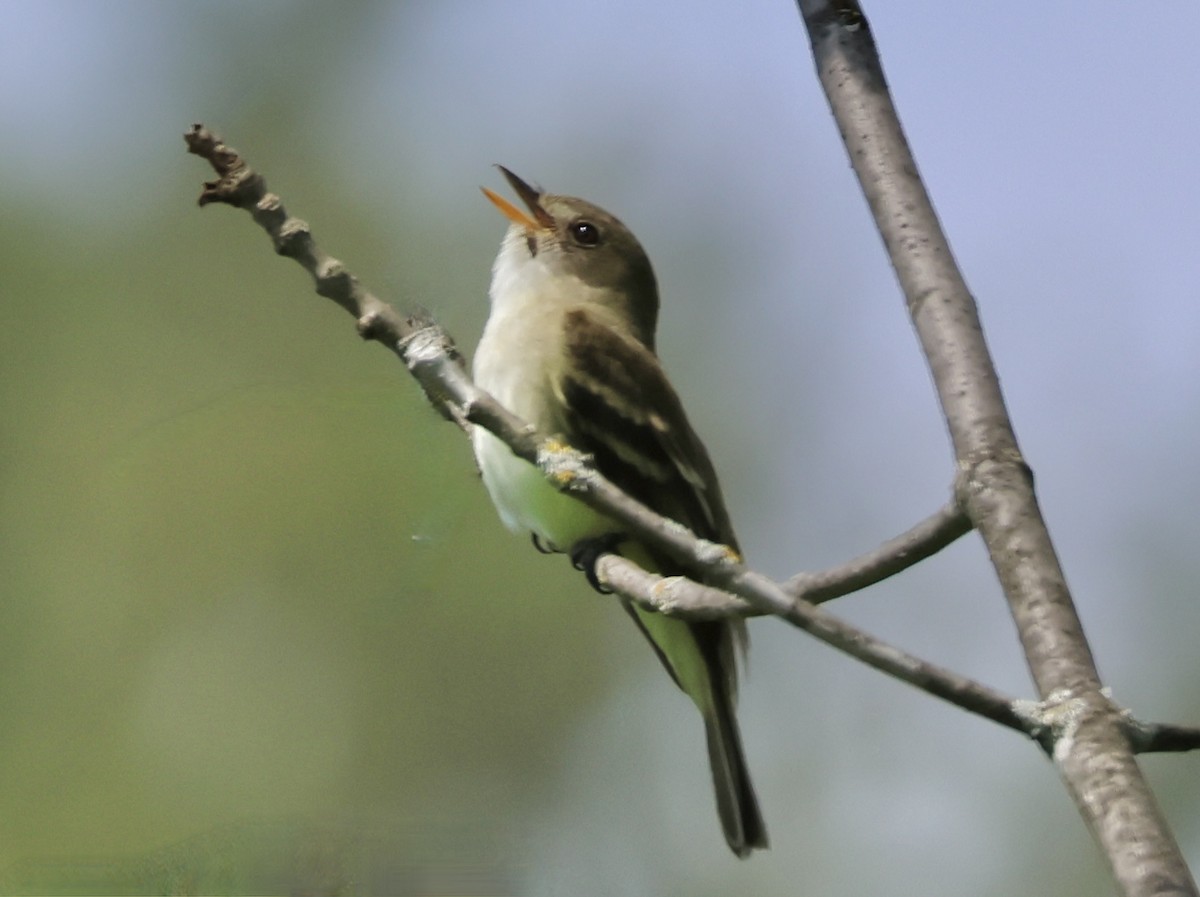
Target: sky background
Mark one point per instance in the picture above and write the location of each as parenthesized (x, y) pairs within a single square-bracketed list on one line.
[(260, 627)]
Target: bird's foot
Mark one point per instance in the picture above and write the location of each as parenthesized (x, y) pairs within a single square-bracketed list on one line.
[(587, 552)]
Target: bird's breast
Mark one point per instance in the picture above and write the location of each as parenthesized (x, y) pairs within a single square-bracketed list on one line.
[(515, 362)]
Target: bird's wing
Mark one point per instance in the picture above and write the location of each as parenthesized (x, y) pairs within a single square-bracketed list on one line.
[(621, 408)]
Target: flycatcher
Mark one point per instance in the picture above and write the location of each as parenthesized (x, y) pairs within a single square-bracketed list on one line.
[(569, 347)]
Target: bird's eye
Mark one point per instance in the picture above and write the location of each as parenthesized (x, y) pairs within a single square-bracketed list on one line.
[(585, 233)]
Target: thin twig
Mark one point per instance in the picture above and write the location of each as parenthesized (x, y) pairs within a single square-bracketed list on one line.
[(927, 538), (659, 593), (683, 597), (435, 361), (430, 355), (1148, 738)]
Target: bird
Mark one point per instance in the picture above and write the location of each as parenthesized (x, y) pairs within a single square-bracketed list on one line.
[(569, 346)]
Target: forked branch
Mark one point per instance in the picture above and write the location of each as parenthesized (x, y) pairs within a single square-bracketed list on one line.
[(435, 362), (433, 359)]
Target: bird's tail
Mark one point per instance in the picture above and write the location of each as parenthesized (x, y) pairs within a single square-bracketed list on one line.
[(701, 659), (736, 803)]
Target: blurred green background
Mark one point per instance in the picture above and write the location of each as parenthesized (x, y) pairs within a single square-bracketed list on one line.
[(261, 629)]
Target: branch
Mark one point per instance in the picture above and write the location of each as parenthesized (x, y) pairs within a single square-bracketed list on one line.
[(683, 597), (1096, 761), (667, 594), (434, 361), (432, 358), (1147, 738), (1041, 721), (925, 539)]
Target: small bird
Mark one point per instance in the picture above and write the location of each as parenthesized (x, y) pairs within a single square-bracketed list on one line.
[(569, 347)]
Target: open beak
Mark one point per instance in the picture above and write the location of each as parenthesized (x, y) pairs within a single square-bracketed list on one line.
[(541, 220)]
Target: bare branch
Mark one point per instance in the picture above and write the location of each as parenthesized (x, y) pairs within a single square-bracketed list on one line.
[(1092, 753), (669, 594), (683, 597), (435, 361), (437, 365), (1148, 738), (1041, 721), (432, 358), (925, 539), (676, 596)]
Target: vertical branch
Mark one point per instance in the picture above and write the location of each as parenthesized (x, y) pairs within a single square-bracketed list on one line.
[(995, 486)]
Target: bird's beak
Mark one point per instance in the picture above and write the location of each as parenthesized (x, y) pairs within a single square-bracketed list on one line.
[(541, 220)]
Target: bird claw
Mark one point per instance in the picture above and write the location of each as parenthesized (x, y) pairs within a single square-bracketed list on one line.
[(585, 554)]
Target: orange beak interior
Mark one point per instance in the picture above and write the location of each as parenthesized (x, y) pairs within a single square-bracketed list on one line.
[(537, 218), (509, 211)]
